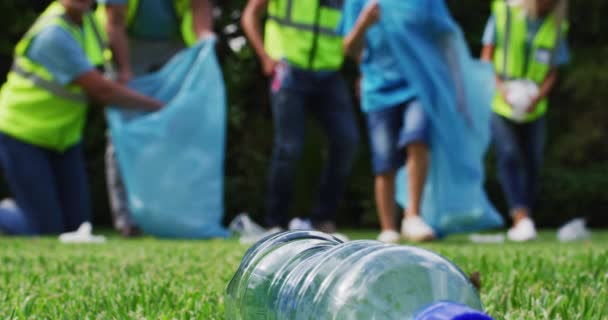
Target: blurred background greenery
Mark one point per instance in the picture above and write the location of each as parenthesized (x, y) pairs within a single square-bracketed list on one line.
[(574, 177)]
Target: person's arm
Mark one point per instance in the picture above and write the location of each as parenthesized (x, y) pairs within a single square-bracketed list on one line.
[(59, 52), (487, 54), (117, 34), (202, 18), (354, 42), (545, 89), (251, 21), (110, 93)]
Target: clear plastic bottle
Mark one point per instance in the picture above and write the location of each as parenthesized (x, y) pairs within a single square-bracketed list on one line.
[(310, 275)]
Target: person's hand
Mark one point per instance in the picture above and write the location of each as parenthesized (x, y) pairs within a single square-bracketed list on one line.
[(533, 104), (269, 65), (156, 105), (371, 14), (206, 34), (124, 76), (504, 94)]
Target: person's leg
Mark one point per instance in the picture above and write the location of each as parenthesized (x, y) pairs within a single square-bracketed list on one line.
[(335, 113), (72, 187), (13, 221), (417, 169), (533, 141), (29, 174), (414, 138), (289, 121), (384, 194), (508, 153), (117, 194), (509, 143), (383, 128)]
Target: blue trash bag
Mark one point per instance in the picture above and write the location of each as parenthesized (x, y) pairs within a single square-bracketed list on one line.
[(456, 92), (172, 160)]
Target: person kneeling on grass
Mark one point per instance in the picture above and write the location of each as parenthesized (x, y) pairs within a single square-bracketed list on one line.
[(42, 114), (397, 123)]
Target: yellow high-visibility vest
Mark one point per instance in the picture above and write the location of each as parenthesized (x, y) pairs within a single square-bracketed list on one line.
[(34, 107), (303, 32)]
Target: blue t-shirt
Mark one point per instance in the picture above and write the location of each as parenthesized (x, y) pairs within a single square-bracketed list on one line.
[(562, 55), (154, 19), (383, 86), (55, 49)]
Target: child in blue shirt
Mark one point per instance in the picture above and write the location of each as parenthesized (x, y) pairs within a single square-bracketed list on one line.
[(397, 123)]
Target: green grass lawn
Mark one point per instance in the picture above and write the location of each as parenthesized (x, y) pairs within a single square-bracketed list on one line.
[(154, 279)]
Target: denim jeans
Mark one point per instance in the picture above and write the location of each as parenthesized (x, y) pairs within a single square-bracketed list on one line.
[(324, 95), (391, 130), (519, 151), (50, 188)]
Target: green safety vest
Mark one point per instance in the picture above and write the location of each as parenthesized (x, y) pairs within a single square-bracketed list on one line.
[(513, 60), (35, 108), (183, 9), (303, 32)]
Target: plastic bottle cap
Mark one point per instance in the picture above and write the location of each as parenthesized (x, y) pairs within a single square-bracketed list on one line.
[(451, 311)]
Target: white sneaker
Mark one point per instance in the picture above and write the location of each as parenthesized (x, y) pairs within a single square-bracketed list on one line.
[(9, 204), (255, 238), (523, 231), (82, 235), (415, 229), (389, 236), (300, 224)]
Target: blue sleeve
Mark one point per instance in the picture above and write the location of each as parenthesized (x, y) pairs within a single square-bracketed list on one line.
[(350, 13), (489, 34), (56, 50), (104, 2), (562, 55)]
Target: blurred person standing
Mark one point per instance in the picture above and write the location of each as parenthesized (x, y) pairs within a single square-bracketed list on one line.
[(397, 123), (43, 109), (428, 119), (143, 36), (302, 52), (526, 41)]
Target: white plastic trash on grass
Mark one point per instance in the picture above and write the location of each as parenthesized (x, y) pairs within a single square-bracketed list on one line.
[(249, 231), (302, 275), (574, 230), (487, 238), (305, 224), (300, 224), (82, 235)]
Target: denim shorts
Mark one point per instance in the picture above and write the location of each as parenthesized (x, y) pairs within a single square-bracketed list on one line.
[(391, 130)]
